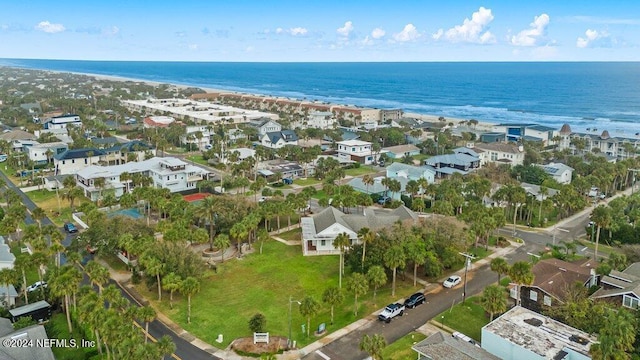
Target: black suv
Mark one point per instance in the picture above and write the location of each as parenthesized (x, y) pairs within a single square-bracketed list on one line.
[(414, 300)]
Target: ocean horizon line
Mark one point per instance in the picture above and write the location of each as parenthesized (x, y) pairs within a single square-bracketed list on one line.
[(341, 62)]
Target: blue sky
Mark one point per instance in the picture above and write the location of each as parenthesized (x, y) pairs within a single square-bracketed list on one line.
[(321, 30)]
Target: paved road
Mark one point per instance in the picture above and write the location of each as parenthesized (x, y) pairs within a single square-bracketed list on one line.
[(184, 350), (438, 301)]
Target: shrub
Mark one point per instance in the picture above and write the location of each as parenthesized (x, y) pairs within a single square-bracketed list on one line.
[(257, 323)]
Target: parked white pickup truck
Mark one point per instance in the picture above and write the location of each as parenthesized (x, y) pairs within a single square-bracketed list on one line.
[(391, 311)]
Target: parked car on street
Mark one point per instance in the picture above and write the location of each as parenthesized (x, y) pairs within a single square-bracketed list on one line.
[(37, 285), (391, 311), (452, 281), (414, 300), (70, 228), (383, 200)]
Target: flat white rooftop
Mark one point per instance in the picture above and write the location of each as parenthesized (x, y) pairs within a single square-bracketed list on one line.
[(354, 143), (538, 334)]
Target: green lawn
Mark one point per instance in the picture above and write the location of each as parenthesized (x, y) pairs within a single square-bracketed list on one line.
[(401, 349), (31, 274), (263, 283), (11, 173), (48, 201), (198, 159), (467, 318), (114, 262), (320, 194), (362, 170), (306, 182), (291, 234)]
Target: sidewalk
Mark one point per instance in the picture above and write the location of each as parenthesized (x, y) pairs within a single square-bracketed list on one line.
[(428, 287), (123, 280)]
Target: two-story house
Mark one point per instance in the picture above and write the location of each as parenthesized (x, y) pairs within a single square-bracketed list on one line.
[(279, 139), (501, 153), (356, 150), (559, 172), (448, 164), (167, 173), (621, 287), (198, 136), (44, 153), (73, 160), (264, 126), (321, 120), (551, 280), (62, 121)]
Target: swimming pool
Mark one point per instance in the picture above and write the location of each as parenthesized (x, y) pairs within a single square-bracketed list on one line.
[(132, 213)]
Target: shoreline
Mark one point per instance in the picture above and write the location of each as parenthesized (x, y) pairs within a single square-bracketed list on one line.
[(587, 126)]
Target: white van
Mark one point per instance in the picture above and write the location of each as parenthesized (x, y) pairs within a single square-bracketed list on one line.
[(3, 157)]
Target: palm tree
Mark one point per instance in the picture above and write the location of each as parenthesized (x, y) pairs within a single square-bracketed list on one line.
[(341, 242), (207, 211), (222, 242), (38, 214), (8, 277), (616, 336), (98, 274), (23, 263), (521, 274), (366, 236), (500, 266), (72, 194), (394, 258), (368, 180), (332, 296), (493, 300), (171, 282), (166, 346), (373, 345), (190, 286), (377, 277), (99, 183), (154, 267), (147, 314), (309, 307), (40, 260), (601, 216), (359, 285)]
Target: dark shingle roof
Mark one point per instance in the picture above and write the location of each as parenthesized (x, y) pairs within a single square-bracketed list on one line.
[(287, 135), (79, 153)]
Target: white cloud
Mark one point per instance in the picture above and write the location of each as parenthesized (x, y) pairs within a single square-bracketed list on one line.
[(296, 31), (114, 30), (472, 30), (601, 20), (409, 33), (50, 28), (530, 36), (595, 38), (193, 46), (346, 29), (377, 33), (249, 49)]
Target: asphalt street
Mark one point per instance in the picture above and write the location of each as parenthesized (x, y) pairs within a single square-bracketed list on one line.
[(184, 350)]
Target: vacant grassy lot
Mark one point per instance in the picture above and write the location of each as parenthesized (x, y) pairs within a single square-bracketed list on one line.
[(401, 349), (306, 182), (197, 159), (48, 201), (467, 318), (263, 283), (362, 170)]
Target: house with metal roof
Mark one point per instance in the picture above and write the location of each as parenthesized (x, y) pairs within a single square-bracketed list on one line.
[(279, 139), (73, 160), (319, 230), (44, 153), (39, 311), (62, 121)]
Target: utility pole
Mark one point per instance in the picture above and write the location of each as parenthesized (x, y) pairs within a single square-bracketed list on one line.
[(468, 258), (633, 180)]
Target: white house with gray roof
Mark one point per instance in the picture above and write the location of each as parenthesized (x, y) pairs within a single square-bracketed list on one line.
[(319, 231), (31, 334), (559, 172), (7, 259), (410, 172), (167, 173)]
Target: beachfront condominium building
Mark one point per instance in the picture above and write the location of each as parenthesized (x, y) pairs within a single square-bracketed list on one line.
[(356, 150), (167, 173), (614, 146)]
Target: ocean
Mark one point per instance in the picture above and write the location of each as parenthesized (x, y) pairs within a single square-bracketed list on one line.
[(586, 95)]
